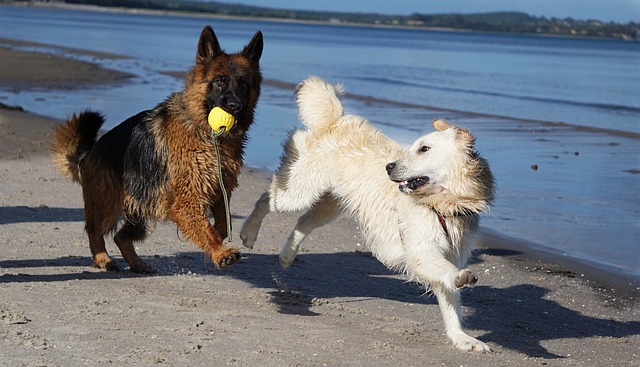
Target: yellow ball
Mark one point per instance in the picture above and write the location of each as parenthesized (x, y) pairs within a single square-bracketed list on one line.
[(219, 118)]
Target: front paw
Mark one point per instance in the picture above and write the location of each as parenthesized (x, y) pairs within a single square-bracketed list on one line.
[(465, 279), (248, 236), (226, 258), (246, 241), (470, 344), (286, 259)]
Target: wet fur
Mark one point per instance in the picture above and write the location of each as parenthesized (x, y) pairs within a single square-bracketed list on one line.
[(340, 163), (161, 164)]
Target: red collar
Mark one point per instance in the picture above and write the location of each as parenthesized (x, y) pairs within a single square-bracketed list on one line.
[(443, 222)]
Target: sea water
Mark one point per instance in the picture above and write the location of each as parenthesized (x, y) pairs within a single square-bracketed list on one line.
[(569, 106)]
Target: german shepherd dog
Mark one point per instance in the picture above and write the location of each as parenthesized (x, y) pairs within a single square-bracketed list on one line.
[(161, 163)]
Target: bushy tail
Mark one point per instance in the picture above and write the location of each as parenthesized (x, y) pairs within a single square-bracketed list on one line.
[(72, 139), (318, 102)]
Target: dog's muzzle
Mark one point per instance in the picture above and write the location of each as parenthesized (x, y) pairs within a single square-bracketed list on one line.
[(405, 185)]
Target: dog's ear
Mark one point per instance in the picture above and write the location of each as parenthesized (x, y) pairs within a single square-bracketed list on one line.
[(253, 50), (208, 46), (441, 125), (466, 136), (462, 134)]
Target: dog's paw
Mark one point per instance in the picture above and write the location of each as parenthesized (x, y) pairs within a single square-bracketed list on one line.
[(142, 268), (465, 279), (286, 261), (248, 236), (110, 266), (247, 241), (470, 344), (104, 262), (227, 258)]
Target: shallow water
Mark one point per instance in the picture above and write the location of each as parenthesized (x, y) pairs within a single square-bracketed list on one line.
[(583, 199)]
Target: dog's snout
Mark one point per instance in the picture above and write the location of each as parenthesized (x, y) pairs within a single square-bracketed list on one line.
[(390, 167), (233, 104)]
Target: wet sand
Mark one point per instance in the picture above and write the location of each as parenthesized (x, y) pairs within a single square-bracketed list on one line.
[(335, 306)]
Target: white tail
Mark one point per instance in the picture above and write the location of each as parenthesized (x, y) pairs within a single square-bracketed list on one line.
[(318, 102)]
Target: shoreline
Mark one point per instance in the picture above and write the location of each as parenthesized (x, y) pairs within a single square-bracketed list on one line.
[(50, 71), (596, 272)]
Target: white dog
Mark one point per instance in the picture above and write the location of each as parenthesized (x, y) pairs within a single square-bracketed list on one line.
[(424, 229)]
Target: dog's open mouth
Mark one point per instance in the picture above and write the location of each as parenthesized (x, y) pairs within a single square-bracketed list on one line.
[(408, 186)]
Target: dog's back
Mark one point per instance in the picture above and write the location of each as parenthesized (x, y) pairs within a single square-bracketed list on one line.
[(345, 155)]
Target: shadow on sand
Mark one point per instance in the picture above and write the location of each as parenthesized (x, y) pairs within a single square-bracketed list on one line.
[(518, 317)]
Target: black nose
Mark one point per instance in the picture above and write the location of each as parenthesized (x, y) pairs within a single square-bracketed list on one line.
[(390, 167), (233, 105)]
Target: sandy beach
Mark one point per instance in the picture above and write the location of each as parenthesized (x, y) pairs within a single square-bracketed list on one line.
[(336, 305)]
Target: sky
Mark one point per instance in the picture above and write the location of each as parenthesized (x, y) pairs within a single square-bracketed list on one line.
[(621, 11)]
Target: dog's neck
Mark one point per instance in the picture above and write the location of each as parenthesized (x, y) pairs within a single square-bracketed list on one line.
[(454, 205), (443, 221)]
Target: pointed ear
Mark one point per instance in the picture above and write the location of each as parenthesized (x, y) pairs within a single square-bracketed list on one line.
[(253, 50), (208, 46), (440, 124)]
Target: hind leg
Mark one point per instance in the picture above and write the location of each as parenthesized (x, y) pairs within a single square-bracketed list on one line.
[(101, 259), (102, 203), (251, 226), (290, 191), (133, 229), (323, 212)]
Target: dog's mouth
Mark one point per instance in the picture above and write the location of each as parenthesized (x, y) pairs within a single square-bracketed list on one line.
[(408, 186)]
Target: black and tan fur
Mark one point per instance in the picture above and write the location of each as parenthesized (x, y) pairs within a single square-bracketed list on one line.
[(161, 164)]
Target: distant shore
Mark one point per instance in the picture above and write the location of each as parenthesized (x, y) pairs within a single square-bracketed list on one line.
[(63, 5)]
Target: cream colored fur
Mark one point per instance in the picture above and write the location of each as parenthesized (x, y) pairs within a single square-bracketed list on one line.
[(340, 163)]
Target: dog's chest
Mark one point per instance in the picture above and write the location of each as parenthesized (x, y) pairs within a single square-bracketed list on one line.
[(200, 167)]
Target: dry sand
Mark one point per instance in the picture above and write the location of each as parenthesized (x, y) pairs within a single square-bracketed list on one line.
[(336, 305)]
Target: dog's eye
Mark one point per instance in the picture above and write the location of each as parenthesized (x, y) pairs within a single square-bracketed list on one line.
[(243, 85), (424, 149), (219, 82)]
